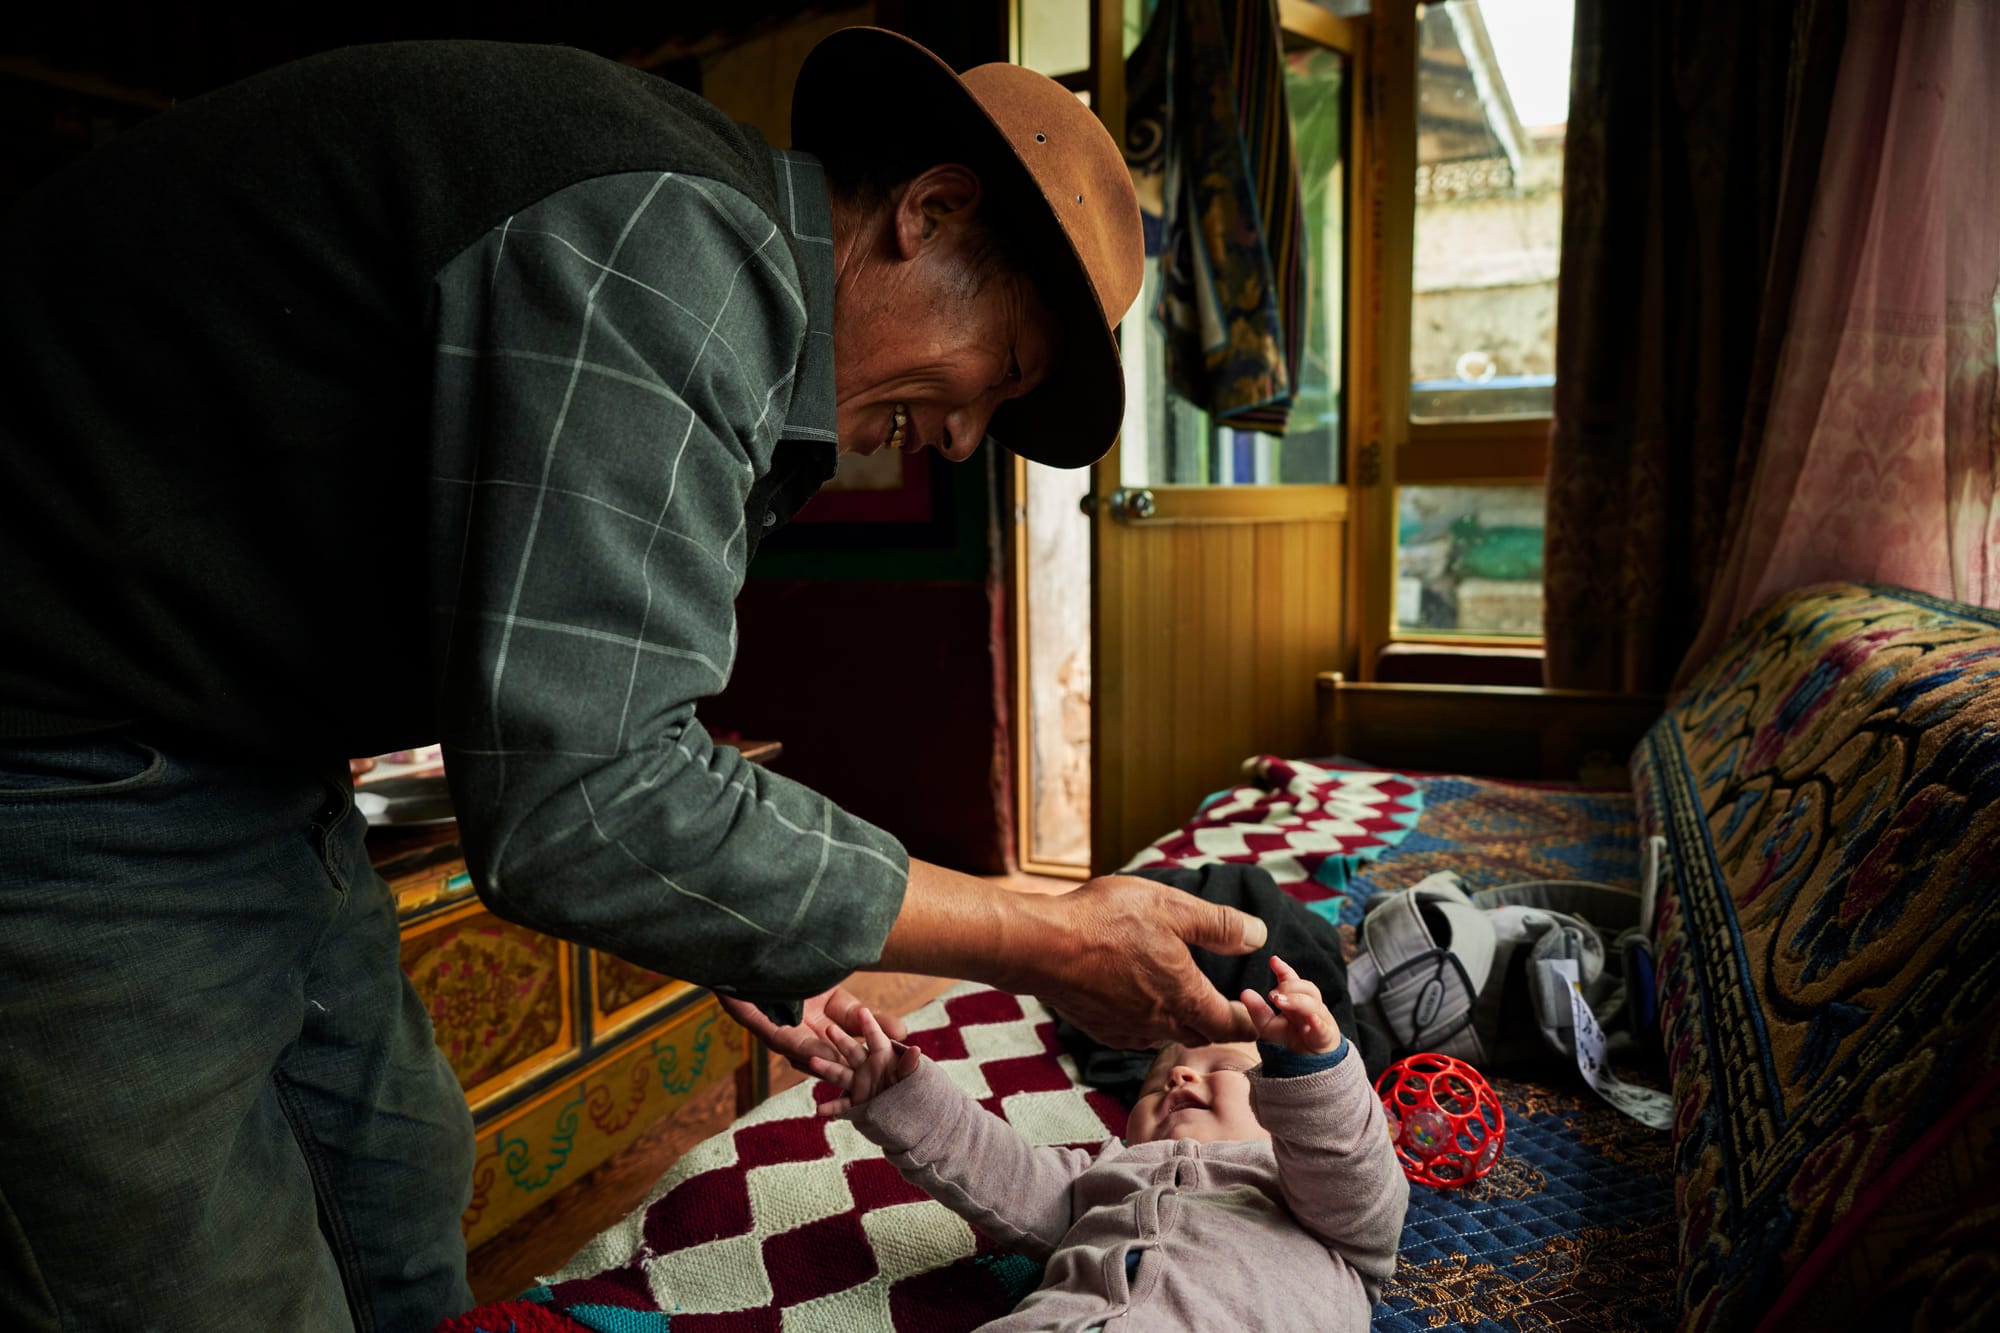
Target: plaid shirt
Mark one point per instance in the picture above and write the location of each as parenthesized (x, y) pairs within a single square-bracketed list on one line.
[(620, 370)]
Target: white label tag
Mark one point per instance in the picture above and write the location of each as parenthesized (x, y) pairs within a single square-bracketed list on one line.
[(1655, 1110), (1650, 853)]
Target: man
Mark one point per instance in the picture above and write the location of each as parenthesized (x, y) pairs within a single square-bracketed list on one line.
[(561, 344)]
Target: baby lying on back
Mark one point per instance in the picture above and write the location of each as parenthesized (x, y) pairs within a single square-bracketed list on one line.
[(1256, 1187)]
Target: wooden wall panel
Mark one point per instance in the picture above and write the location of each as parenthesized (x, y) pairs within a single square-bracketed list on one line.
[(1211, 632)]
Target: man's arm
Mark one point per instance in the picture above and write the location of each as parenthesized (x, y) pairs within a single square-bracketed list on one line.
[(611, 370), (1111, 956)]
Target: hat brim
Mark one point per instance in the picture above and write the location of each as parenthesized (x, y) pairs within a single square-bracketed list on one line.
[(863, 82)]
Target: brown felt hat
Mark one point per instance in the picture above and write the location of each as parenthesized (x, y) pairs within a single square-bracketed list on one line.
[(1054, 171)]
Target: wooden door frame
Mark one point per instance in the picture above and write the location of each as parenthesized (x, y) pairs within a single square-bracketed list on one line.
[(1389, 204), (1361, 413), (1105, 81)]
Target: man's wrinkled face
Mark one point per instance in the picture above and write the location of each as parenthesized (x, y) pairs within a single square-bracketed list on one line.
[(1200, 1093), (934, 347)]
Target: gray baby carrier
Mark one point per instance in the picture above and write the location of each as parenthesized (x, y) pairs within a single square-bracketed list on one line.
[(1444, 970)]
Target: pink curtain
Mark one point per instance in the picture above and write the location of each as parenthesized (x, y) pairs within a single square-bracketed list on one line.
[(1879, 455)]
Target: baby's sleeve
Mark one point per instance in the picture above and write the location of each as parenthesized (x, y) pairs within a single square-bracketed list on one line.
[(973, 1162), (1337, 1168)]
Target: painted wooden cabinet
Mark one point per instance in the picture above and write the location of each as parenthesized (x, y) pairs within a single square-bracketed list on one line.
[(566, 1055)]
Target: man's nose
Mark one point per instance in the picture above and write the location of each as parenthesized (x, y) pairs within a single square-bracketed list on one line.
[(966, 427)]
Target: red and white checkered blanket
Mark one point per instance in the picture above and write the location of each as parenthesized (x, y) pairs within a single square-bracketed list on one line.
[(790, 1221), (1309, 827), (787, 1221)]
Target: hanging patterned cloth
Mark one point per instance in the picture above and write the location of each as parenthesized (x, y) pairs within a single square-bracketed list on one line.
[(1209, 141)]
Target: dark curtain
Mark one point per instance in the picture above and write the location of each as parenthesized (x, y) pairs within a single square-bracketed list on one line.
[(1693, 146)]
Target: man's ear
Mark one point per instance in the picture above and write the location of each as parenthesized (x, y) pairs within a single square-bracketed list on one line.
[(938, 197)]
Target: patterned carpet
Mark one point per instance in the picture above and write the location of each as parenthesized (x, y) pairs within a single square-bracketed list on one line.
[(1574, 1228), (1830, 961)]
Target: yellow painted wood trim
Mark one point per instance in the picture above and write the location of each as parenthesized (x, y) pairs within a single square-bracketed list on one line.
[(1302, 19), (1492, 456), (1363, 407), (603, 1024), (1496, 431), (1469, 641), (1054, 869), (1107, 560), (572, 1147), (429, 889), (451, 916), (1021, 725), (1107, 65), (1334, 682), (1246, 504), (1391, 124), (690, 1016)]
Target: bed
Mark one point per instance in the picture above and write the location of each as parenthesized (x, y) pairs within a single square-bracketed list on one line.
[(787, 1221)]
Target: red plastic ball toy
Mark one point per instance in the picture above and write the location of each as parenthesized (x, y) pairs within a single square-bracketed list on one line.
[(1444, 1119)]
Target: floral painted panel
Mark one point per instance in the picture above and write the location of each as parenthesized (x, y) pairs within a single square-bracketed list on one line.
[(616, 983), (496, 993)]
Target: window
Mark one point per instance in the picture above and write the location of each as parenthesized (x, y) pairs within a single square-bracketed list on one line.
[(1487, 106), (1492, 100), (1469, 559)]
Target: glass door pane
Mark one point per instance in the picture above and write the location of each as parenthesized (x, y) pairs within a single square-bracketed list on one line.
[(1492, 108), (1167, 440)]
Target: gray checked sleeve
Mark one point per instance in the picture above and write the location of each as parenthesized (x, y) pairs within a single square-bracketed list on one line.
[(611, 370)]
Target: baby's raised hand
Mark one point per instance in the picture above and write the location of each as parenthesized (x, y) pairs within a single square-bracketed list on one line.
[(866, 1066), (1295, 1017)]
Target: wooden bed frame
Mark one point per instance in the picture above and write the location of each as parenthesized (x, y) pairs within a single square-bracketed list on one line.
[(1486, 731)]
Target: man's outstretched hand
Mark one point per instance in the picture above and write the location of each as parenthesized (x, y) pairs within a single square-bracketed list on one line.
[(813, 1036), (1120, 967), (1113, 957)]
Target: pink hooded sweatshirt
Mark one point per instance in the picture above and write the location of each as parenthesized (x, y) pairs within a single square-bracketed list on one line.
[(1297, 1232)]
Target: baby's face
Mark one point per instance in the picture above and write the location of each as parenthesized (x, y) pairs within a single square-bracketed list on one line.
[(1200, 1093)]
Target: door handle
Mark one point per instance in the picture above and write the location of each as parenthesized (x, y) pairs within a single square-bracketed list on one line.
[(1131, 505)]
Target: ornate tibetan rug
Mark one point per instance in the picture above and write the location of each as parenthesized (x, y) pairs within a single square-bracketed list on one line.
[(1830, 959)]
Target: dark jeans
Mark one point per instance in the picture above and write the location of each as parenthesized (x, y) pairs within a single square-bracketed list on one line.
[(220, 1104)]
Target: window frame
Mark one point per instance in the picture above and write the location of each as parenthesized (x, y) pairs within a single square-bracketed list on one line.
[(1399, 451)]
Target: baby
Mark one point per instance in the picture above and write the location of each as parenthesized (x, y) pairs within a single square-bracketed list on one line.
[(1256, 1187)]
